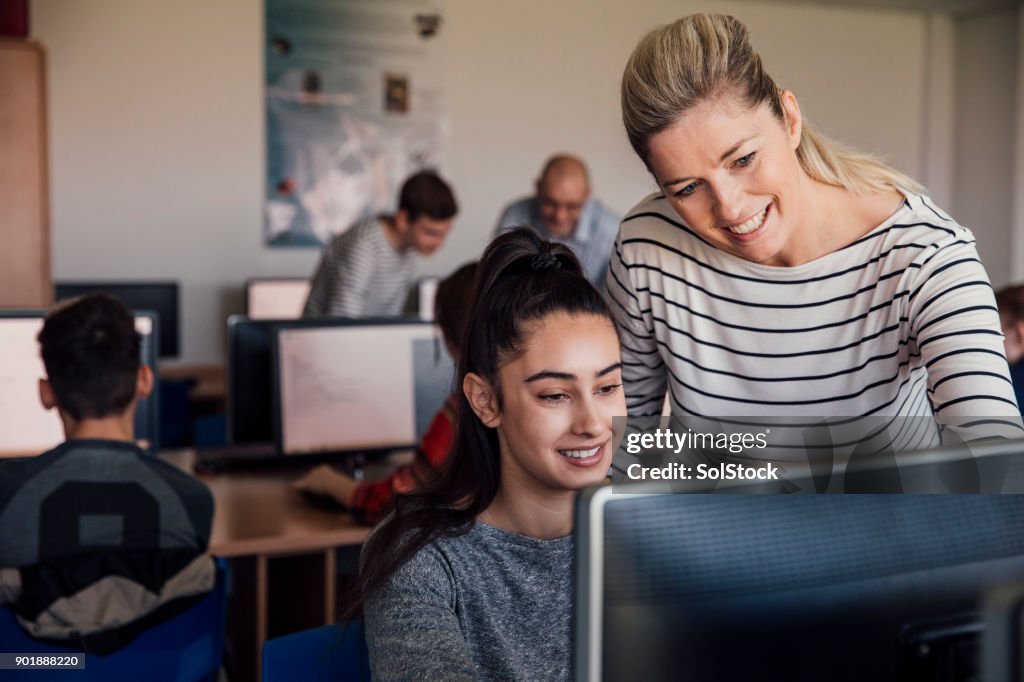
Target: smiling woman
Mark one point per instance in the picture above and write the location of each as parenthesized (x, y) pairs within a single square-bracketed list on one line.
[(778, 273), (471, 578)]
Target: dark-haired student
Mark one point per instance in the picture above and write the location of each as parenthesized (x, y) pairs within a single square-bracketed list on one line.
[(369, 502), (99, 540), (471, 577), (366, 271), (1010, 301)]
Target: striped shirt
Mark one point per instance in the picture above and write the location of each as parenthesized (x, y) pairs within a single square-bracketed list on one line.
[(361, 275), (901, 322)]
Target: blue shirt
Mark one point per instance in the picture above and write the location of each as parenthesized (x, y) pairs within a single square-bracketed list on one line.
[(591, 242), (1017, 377)]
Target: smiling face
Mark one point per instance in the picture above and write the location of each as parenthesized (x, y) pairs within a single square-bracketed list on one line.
[(560, 198), (425, 235), (559, 397), (732, 175)]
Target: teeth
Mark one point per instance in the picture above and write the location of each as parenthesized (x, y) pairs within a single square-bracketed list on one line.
[(580, 454), (750, 225)]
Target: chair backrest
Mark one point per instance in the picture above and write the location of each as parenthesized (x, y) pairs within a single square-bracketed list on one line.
[(186, 648), (332, 653)]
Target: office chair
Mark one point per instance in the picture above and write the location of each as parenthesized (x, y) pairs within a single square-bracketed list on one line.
[(186, 648), (331, 653)]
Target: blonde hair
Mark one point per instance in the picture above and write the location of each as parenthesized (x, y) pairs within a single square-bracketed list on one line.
[(703, 56)]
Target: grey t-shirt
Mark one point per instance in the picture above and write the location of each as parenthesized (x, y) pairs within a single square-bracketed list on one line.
[(361, 275), (487, 605)]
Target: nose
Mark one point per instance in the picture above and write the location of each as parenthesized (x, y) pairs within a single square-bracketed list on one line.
[(588, 419), (728, 204)]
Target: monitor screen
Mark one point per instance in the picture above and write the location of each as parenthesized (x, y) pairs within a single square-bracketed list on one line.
[(26, 428), (275, 299), (161, 297), (796, 587), (357, 387)]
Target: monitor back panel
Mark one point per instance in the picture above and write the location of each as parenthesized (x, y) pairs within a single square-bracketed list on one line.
[(275, 299)]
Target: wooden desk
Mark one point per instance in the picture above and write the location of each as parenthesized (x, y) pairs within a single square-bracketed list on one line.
[(209, 382), (282, 554)]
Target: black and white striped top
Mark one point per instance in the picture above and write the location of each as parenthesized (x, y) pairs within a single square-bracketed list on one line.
[(361, 275), (902, 322)]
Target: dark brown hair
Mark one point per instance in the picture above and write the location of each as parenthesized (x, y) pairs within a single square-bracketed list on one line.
[(426, 194), (453, 301), (521, 279), (91, 352)]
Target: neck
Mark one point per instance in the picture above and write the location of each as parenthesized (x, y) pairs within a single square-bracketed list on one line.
[(120, 427), (815, 237), (391, 233), (537, 514)]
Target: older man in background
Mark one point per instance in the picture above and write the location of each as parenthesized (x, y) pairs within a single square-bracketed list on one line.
[(562, 210)]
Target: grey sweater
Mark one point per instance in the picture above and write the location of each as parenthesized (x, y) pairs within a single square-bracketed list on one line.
[(487, 605)]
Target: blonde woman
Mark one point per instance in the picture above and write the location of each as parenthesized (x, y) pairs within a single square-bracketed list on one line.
[(778, 273)]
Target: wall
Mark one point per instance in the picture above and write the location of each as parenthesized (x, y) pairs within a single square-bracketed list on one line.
[(156, 122), (984, 129)]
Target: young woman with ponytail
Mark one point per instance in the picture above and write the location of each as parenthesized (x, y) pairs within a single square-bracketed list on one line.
[(470, 578)]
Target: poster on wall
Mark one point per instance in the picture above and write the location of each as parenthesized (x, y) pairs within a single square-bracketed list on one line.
[(353, 104)]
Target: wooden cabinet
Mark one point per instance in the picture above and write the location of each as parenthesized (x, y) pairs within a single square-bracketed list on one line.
[(24, 196)]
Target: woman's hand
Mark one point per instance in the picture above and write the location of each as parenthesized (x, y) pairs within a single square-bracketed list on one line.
[(325, 480)]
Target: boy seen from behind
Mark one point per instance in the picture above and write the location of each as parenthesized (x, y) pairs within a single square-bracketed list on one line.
[(99, 539)]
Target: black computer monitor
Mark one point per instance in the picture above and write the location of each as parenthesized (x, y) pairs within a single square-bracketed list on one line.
[(161, 297), (355, 386), (795, 587), (26, 428), (276, 298), (249, 404), (1003, 638)]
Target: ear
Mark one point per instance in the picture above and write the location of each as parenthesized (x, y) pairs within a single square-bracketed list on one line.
[(402, 222), (143, 382), (46, 394), (794, 120), (482, 399)]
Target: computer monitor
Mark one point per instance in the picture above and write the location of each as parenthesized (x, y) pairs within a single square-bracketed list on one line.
[(795, 587), (357, 387), (249, 405), (275, 298), (161, 297), (1003, 639), (26, 428)]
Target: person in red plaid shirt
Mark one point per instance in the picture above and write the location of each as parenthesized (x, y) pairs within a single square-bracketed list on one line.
[(370, 502)]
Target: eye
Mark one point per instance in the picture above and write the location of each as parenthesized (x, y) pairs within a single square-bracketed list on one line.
[(554, 397), (610, 389), (745, 161), (688, 190)]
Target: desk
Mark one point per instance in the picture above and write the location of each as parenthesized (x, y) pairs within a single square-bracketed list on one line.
[(282, 557)]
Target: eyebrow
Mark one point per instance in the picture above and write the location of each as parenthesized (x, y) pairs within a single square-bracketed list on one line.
[(550, 374), (729, 152)]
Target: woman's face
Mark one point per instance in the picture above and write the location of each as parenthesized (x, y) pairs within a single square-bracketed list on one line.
[(560, 394), (732, 175)]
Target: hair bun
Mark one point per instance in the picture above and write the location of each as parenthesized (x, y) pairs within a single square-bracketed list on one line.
[(545, 260)]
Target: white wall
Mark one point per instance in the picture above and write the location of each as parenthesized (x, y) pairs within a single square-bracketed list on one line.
[(984, 129), (156, 122)]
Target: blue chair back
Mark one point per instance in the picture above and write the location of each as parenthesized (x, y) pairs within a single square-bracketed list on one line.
[(332, 653), (186, 648)]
